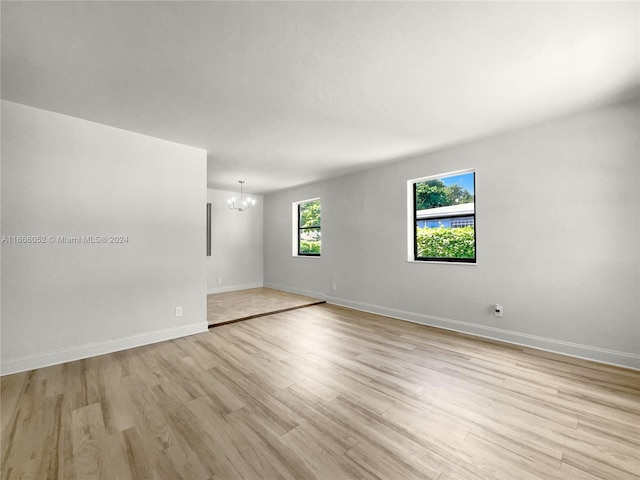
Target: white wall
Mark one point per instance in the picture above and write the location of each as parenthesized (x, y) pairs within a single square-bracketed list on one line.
[(558, 239), (236, 245), (66, 176)]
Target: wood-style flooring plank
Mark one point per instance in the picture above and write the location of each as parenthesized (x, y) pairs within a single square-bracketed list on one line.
[(323, 393), (228, 307)]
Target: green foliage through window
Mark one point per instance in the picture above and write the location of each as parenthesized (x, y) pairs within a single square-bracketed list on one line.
[(309, 247), (445, 242), (434, 193), (309, 234)]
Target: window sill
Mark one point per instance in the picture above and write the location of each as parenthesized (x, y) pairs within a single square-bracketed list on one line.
[(442, 263)]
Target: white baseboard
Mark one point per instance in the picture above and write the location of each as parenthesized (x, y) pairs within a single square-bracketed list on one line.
[(297, 291), (77, 353), (234, 288), (602, 355)]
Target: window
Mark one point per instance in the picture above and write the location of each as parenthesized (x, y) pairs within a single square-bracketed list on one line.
[(307, 220), (443, 217)]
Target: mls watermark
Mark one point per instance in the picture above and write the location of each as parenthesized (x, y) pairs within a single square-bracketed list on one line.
[(64, 239)]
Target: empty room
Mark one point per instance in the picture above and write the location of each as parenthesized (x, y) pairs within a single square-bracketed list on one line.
[(320, 240)]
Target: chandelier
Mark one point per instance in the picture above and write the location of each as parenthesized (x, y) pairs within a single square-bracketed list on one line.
[(242, 205)]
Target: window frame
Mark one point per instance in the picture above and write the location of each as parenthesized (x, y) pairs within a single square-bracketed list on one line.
[(297, 229), (412, 214)]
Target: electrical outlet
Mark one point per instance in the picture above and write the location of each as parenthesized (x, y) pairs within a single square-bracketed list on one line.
[(497, 310), (219, 280), (334, 287), (178, 312)]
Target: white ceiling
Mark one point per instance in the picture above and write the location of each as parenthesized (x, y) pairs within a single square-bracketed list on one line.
[(285, 93)]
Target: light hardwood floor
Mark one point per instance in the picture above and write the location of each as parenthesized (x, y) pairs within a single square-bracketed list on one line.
[(328, 393), (244, 304)]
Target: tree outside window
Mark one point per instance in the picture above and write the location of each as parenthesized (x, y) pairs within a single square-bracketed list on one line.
[(309, 234)]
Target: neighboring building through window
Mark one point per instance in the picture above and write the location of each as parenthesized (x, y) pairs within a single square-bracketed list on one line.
[(444, 217), (307, 216)]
